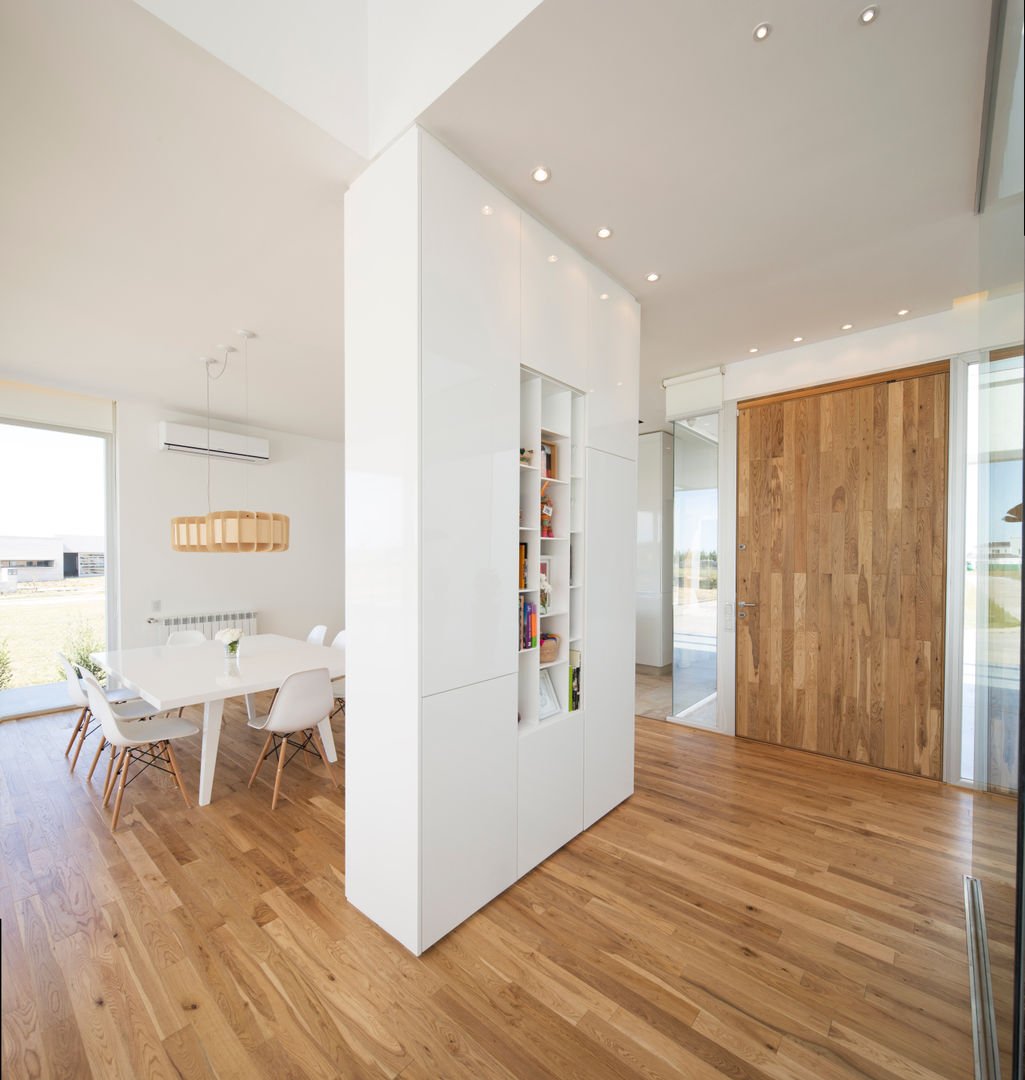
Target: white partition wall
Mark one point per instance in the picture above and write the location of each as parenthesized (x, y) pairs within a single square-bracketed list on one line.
[(464, 343), (382, 538)]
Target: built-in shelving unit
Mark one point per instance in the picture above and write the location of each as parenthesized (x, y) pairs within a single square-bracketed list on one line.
[(551, 547)]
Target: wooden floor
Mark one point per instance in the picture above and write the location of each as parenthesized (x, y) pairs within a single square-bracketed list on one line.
[(750, 912)]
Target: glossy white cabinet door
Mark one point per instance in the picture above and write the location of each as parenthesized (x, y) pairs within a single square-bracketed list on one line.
[(469, 802), (554, 295), (550, 788), (470, 380), (614, 356), (607, 676), (382, 560)]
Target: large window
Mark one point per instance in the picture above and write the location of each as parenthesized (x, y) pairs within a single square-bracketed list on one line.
[(52, 542)]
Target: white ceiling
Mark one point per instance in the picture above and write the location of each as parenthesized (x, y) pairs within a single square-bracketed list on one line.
[(153, 200), (781, 188)]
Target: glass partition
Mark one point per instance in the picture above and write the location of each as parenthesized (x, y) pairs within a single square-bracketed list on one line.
[(695, 566), (992, 639)]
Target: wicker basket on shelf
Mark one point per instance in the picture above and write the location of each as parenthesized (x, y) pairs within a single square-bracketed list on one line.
[(549, 648)]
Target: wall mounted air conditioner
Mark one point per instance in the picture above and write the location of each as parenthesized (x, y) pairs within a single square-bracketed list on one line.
[(222, 444)]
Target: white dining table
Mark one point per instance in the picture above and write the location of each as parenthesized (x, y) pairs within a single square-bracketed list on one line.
[(170, 676)]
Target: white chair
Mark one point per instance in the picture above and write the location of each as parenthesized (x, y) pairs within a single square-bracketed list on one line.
[(147, 741), (338, 685), (303, 702), (316, 635), (77, 694)]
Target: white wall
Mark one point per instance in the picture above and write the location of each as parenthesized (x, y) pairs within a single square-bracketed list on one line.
[(291, 590), (310, 54), (417, 50), (362, 70)]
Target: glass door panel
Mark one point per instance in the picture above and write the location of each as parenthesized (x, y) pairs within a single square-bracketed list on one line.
[(695, 566), (993, 543)]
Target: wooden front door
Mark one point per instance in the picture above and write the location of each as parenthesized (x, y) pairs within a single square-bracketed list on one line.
[(841, 527)]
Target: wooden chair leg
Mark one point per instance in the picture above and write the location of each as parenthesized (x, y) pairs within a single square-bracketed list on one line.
[(78, 727), (81, 742), (120, 790), (117, 772), (110, 769), (260, 759), (277, 778), (177, 775), (96, 758), (323, 757)]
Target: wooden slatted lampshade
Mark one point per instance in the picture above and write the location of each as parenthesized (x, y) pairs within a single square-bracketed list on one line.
[(231, 531)]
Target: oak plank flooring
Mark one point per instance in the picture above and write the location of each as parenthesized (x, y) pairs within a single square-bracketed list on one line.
[(752, 912)]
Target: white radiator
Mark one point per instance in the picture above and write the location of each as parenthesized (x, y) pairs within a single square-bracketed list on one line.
[(209, 623)]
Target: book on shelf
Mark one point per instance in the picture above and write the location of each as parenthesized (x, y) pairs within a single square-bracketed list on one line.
[(574, 679), (528, 624), (523, 565), (549, 452)]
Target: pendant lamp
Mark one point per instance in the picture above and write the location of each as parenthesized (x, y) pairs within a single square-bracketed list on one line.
[(229, 530)]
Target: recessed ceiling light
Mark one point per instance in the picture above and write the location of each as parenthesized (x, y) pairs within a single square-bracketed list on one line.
[(869, 15), (541, 175), (798, 339), (619, 384), (762, 31), (604, 233), (553, 258), (653, 277), (903, 311), (752, 351), (486, 210), (847, 326), (604, 296)]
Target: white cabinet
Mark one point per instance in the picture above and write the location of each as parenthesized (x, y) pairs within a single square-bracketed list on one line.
[(455, 781), (608, 671), (613, 365), (554, 283), (469, 802), (469, 422), (551, 780)]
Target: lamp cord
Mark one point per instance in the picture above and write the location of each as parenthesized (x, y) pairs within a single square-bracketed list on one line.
[(245, 370), (210, 377)]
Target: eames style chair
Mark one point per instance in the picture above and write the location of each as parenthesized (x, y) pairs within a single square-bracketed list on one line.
[(316, 635), (338, 685), (145, 742), (76, 692), (304, 700)]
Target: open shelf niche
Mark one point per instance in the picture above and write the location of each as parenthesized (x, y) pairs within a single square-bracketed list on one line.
[(551, 538)]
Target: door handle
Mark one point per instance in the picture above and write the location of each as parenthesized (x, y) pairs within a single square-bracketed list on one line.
[(744, 603)]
